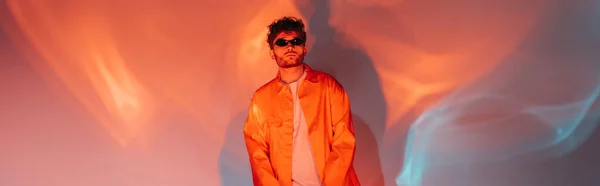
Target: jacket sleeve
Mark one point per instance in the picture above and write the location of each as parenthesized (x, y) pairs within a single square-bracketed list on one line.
[(258, 149), (343, 143)]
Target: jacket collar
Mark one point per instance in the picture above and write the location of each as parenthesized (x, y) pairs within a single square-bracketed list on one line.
[(311, 76)]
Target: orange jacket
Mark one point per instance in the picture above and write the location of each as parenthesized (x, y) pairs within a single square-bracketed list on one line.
[(269, 127)]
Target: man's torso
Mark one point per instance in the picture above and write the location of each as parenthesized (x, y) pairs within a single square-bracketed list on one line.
[(305, 115)]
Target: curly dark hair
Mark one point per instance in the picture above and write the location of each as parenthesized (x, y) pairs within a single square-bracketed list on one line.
[(285, 24)]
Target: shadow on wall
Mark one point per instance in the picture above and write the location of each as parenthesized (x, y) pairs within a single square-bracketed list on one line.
[(234, 165)]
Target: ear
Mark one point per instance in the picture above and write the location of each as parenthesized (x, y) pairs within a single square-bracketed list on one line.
[(272, 53), (304, 49)]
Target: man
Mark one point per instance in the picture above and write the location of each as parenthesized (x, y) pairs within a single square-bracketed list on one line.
[(299, 129)]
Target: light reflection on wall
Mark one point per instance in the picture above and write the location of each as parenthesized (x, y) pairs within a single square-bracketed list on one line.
[(174, 77)]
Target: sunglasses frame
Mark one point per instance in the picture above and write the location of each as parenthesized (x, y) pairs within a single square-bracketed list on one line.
[(293, 42)]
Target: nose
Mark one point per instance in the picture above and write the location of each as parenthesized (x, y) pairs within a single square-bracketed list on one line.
[(290, 47)]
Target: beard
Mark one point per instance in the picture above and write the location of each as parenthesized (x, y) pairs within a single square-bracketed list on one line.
[(289, 61)]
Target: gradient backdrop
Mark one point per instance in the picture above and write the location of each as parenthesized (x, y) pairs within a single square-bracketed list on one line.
[(154, 93)]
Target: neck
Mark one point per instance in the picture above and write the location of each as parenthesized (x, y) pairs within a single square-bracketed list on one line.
[(291, 74)]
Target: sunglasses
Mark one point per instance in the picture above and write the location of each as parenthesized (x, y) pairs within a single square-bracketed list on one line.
[(294, 42)]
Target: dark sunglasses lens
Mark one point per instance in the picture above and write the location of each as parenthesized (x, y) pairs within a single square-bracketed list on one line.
[(297, 42), (281, 42)]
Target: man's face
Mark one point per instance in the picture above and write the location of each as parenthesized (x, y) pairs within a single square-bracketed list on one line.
[(288, 50)]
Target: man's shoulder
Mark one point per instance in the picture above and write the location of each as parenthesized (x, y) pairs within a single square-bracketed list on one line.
[(266, 89), (322, 75), (325, 78), (333, 86)]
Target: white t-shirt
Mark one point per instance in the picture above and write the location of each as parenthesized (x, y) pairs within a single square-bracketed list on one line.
[(304, 170)]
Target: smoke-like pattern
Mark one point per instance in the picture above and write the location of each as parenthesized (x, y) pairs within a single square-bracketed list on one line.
[(469, 142), (542, 104), (156, 92)]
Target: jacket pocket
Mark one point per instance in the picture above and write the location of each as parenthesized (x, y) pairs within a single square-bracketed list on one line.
[(274, 122)]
